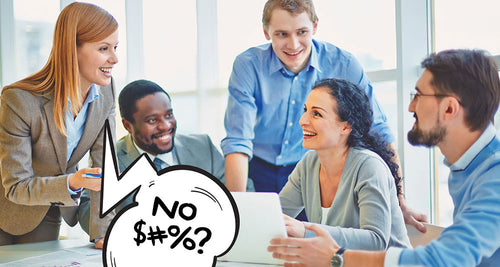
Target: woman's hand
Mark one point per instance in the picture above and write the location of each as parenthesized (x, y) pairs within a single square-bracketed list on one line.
[(80, 179), (99, 244), (294, 228)]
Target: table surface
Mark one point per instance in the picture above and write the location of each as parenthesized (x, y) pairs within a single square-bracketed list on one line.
[(70, 252)]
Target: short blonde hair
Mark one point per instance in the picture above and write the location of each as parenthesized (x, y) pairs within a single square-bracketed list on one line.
[(78, 23)]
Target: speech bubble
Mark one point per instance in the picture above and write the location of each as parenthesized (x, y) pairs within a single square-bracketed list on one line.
[(181, 215)]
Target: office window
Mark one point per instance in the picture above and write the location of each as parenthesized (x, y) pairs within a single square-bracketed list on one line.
[(239, 27), (34, 32), (185, 109), (170, 44), (461, 24), (367, 29), (458, 24), (170, 52), (351, 25), (386, 95), (215, 126)]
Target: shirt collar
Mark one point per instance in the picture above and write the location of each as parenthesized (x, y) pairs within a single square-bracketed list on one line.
[(91, 95), (166, 157), (277, 65), (464, 161), (313, 61)]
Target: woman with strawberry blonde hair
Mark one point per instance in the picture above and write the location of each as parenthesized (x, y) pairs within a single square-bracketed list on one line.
[(50, 120)]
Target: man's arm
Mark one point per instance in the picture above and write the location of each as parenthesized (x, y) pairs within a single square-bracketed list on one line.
[(236, 171), (318, 251), (239, 122), (411, 216), (216, 160)]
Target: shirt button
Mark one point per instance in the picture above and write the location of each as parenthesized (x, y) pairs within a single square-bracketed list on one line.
[(290, 124), (295, 78), (293, 102), (286, 142), (279, 157)]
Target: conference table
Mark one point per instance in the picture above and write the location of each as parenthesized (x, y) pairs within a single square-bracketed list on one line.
[(67, 253)]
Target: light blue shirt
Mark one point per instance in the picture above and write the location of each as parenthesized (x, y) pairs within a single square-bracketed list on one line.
[(474, 237), (74, 127), (266, 101)]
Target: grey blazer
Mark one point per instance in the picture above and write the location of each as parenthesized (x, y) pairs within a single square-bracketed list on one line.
[(34, 170), (194, 150)]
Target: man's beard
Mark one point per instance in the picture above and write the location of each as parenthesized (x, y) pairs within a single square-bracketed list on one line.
[(154, 149), (417, 137), (148, 144)]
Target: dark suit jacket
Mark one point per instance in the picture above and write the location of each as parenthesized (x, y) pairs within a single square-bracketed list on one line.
[(194, 150), (34, 170)]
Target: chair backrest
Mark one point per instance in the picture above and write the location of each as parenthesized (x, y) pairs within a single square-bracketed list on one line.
[(418, 238)]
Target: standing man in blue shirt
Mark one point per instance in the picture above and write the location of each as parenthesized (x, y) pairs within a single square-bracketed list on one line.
[(454, 105), (267, 90)]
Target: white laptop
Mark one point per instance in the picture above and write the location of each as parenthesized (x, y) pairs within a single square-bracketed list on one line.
[(261, 220)]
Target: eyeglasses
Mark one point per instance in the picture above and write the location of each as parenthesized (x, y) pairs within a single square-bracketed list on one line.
[(413, 96)]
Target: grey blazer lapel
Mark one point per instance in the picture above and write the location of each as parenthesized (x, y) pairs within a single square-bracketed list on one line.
[(59, 141), (180, 152), (129, 151), (90, 132), (130, 148)]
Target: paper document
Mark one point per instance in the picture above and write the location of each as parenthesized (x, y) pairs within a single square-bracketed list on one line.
[(417, 238), (73, 257)]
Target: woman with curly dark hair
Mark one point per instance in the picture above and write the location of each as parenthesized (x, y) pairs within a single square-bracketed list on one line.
[(348, 182)]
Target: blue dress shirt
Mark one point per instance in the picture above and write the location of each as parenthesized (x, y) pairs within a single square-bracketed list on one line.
[(74, 127), (266, 101), (474, 237)]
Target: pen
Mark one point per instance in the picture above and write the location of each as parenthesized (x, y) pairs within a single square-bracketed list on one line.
[(90, 175)]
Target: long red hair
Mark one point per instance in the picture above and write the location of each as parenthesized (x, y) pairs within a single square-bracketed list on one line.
[(78, 23)]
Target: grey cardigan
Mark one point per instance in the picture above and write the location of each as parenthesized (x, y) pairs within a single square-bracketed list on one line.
[(365, 212)]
